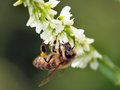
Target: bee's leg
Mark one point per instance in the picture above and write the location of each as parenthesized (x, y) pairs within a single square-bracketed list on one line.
[(50, 58), (45, 60), (49, 76)]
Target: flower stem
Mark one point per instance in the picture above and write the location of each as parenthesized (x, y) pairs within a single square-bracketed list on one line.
[(110, 70)]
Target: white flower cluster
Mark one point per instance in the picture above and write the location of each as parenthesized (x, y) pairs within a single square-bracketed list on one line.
[(88, 58), (42, 17)]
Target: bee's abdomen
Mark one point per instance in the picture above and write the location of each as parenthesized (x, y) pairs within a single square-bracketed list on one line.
[(40, 63)]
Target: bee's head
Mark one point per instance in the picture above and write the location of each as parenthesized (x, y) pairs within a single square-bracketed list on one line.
[(69, 52), (43, 50)]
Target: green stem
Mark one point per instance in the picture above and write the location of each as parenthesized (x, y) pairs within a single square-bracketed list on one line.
[(110, 70)]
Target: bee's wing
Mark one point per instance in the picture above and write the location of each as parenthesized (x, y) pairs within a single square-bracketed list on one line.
[(46, 80), (49, 76)]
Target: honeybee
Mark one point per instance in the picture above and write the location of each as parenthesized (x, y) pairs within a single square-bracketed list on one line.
[(61, 57)]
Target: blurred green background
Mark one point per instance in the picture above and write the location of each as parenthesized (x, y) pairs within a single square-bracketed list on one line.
[(19, 45)]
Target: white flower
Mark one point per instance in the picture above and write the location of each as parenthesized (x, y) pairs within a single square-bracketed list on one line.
[(57, 25), (53, 3), (41, 26), (95, 54), (65, 16), (78, 33), (78, 49), (84, 60), (32, 22), (82, 42), (48, 36), (94, 64), (62, 37), (35, 22), (61, 29), (18, 3), (86, 43), (52, 12), (79, 63)]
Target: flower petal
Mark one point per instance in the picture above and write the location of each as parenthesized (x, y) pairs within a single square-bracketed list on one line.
[(66, 15), (94, 64), (63, 38)]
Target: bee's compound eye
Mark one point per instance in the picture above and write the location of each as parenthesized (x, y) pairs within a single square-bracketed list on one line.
[(54, 42), (67, 54), (43, 48)]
